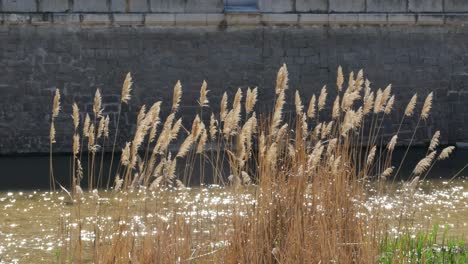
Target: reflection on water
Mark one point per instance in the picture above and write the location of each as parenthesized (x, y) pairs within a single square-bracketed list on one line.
[(30, 221)]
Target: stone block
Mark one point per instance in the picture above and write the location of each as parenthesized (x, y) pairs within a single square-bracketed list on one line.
[(160, 19), (313, 19), (66, 18), (19, 6), (96, 19), (280, 19), (425, 5), (275, 6), (243, 19), (456, 6), (53, 5), (343, 19), (129, 6), (386, 5), (311, 5), (90, 6), (128, 19), (347, 5), (426, 19), (405, 19), (16, 18), (190, 19), (168, 6), (204, 6), (372, 19)]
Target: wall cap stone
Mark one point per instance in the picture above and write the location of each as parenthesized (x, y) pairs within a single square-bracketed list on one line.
[(232, 19)]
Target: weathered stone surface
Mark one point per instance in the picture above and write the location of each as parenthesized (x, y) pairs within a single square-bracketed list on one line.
[(425, 5), (19, 5), (311, 5), (53, 5), (128, 19), (280, 19), (35, 60), (204, 6), (456, 6), (90, 6), (160, 19), (386, 5), (275, 6), (347, 6), (168, 6)]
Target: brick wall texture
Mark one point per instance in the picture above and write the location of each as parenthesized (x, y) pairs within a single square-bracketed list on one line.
[(35, 60)]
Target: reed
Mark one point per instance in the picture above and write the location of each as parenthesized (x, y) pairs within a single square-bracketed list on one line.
[(307, 175)]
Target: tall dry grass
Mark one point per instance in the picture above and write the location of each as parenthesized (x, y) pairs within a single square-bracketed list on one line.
[(309, 174)]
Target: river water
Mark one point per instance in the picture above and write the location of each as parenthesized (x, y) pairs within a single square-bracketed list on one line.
[(31, 218)]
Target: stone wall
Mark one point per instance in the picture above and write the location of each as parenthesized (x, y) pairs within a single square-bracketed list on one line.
[(46, 44)]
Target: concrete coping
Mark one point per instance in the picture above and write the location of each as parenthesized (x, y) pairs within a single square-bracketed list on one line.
[(232, 19)]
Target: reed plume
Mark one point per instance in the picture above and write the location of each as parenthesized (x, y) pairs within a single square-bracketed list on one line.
[(446, 152), (411, 105), (56, 104), (427, 107), (392, 143), (177, 95), (185, 147), (86, 125), (336, 108), (224, 110), (371, 156), (213, 125), (282, 80), (52, 133), (434, 141), (298, 103), (311, 110), (76, 116), (203, 100), (127, 88), (250, 100), (76, 144), (339, 79), (322, 98), (424, 164), (97, 106), (389, 105)]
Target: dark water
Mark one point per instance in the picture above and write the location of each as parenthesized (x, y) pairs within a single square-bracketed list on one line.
[(31, 172)]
